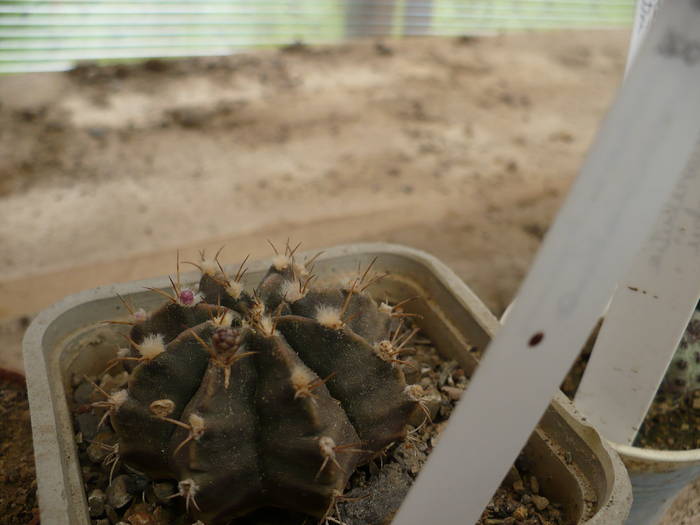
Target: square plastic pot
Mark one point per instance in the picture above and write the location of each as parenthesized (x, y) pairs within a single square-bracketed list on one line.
[(574, 466)]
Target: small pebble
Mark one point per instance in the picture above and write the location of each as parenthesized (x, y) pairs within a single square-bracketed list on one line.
[(519, 487), (118, 494), (540, 502), (163, 490), (77, 380), (410, 458), (696, 403), (87, 424), (453, 393), (137, 484), (447, 374), (98, 449), (534, 485), (89, 474), (96, 503), (520, 513), (440, 427), (82, 394), (110, 383)]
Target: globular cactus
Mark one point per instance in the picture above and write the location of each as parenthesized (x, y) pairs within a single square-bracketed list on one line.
[(268, 398), (682, 378)]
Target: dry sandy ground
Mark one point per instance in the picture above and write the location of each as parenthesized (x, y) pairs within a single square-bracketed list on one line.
[(461, 147), (464, 148)]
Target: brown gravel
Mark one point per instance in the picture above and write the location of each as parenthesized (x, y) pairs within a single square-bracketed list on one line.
[(18, 504)]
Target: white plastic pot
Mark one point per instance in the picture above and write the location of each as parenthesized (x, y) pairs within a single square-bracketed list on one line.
[(574, 466), (657, 478)]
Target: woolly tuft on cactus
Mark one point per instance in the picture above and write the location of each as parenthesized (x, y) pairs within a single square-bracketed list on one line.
[(263, 398), (682, 378)]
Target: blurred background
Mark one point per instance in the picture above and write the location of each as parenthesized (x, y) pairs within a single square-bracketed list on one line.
[(129, 129), (44, 35)]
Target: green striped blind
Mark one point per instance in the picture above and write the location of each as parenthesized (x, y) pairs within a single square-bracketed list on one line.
[(45, 35)]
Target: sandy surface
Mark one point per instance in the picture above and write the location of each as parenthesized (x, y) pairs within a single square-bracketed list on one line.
[(686, 508), (461, 148)]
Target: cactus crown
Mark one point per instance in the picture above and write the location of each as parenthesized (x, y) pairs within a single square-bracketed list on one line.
[(263, 398)]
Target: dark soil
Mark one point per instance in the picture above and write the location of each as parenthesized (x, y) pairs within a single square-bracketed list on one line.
[(673, 421), (671, 425), (374, 492), (18, 504)]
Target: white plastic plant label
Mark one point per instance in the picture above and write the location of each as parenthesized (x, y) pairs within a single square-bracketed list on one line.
[(640, 153), (650, 309), (646, 9), (646, 319)]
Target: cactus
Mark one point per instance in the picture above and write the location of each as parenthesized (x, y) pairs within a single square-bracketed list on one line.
[(682, 378), (264, 398)]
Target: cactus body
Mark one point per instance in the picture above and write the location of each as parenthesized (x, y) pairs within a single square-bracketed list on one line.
[(269, 398), (682, 378)]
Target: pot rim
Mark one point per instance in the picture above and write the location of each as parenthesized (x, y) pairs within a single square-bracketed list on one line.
[(657, 455)]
